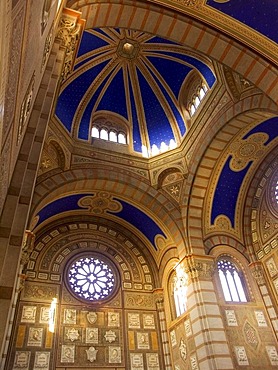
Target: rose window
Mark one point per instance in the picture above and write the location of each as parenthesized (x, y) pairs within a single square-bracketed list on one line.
[(91, 278)]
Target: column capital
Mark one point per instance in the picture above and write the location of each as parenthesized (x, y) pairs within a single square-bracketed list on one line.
[(69, 32), (197, 266), (258, 272)]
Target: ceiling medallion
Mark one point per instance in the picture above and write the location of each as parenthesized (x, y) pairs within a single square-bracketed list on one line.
[(128, 48)]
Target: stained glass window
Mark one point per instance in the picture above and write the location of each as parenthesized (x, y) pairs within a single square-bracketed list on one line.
[(91, 278), (231, 281)]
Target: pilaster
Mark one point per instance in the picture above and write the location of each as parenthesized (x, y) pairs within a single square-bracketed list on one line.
[(204, 313)]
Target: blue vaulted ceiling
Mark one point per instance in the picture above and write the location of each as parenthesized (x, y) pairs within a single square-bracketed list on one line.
[(262, 15), (140, 84)]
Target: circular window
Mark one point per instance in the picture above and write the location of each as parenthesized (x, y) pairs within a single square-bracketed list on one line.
[(92, 278)]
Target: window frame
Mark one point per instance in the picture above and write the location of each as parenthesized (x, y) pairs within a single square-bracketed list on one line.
[(241, 276)]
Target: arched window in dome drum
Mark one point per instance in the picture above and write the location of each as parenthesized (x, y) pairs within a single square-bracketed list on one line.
[(196, 99), (95, 132), (113, 136), (104, 134), (121, 138)]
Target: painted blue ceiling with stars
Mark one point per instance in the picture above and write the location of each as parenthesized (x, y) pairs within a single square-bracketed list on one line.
[(136, 77), (127, 212), (262, 15)]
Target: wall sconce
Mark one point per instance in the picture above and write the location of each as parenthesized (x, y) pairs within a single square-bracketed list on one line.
[(52, 315)]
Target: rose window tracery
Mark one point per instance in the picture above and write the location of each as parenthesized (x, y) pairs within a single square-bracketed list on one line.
[(91, 278)]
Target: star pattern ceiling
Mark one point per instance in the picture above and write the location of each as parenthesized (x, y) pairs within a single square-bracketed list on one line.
[(131, 75)]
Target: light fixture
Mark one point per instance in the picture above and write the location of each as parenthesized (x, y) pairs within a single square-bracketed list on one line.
[(52, 315)]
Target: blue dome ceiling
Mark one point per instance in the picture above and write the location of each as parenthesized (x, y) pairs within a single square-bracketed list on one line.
[(131, 75)]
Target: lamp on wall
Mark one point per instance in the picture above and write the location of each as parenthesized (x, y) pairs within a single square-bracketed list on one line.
[(52, 315)]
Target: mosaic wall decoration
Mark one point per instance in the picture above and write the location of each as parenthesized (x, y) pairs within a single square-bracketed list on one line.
[(113, 319), (29, 314), (32, 342), (67, 353), (275, 282), (152, 361), (22, 360), (187, 327), (70, 316), (247, 330), (231, 318), (72, 334), (194, 363), (241, 356), (173, 338), (148, 321), (272, 354), (182, 345), (90, 337), (260, 318), (115, 356), (91, 354), (143, 341), (35, 337), (136, 361), (271, 267), (183, 349), (42, 360), (44, 315), (133, 321)]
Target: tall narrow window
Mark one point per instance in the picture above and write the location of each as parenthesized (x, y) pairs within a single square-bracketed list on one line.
[(202, 93), (104, 134), (231, 281), (122, 138), (192, 109), (95, 132), (197, 101), (113, 136)]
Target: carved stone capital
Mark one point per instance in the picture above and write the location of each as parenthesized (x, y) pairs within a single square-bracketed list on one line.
[(258, 273), (27, 247), (200, 267), (158, 296), (69, 32)]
